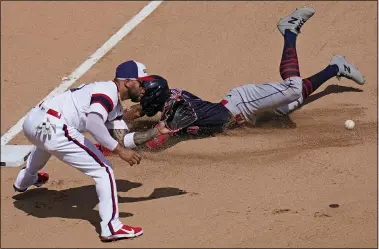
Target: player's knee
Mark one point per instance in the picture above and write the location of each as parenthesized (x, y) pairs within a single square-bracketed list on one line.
[(109, 171), (104, 174), (99, 172), (295, 84)]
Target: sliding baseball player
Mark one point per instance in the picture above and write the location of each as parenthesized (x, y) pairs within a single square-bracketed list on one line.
[(184, 113)]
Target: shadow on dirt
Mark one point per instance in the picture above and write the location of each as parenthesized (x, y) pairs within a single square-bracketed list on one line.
[(79, 202), (331, 89)]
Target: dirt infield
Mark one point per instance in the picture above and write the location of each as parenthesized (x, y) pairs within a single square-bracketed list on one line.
[(268, 186)]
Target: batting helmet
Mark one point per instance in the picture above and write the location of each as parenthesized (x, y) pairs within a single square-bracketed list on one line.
[(156, 93)]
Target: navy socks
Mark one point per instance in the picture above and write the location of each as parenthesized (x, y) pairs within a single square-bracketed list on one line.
[(312, 83), (289, 65)]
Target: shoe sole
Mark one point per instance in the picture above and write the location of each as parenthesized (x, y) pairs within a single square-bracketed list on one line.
[(18, 190), (120, 237), (37, 185)]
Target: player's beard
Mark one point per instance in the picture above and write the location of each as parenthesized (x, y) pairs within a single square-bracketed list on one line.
[(134, 97), (134, 94)]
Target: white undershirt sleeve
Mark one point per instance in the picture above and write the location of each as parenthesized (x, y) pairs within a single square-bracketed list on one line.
[(96, 127)]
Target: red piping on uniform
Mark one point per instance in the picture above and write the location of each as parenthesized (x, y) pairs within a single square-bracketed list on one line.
[(93, 155)]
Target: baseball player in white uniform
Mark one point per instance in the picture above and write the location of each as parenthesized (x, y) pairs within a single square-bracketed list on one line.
[(55, 127)]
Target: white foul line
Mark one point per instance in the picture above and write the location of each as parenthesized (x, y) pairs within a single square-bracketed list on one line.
[(86, 65)]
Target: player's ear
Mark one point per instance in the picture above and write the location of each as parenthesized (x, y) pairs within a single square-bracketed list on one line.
[(126, 83)]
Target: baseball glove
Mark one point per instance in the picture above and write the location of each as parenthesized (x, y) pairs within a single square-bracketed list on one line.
[(178, 114)]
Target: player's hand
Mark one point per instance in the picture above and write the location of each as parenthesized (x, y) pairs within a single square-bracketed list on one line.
[(130, 156), (134, 112), (161, 126)]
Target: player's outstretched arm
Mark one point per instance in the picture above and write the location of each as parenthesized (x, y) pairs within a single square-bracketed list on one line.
[(134, 139)]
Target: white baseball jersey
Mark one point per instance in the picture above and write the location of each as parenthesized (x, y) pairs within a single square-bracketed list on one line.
[(56, 128), (68, 144), (76, 103)]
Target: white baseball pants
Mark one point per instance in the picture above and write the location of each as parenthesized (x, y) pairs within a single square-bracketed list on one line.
[(252, 99), (71, 147)]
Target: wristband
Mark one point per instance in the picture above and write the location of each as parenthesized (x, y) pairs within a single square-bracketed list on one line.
[(129, 141)]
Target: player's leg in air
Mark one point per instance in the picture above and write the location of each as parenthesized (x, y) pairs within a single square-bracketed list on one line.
[(338, 67), (252, 99)]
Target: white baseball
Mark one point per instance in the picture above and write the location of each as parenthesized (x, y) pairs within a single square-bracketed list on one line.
[(349, 124)]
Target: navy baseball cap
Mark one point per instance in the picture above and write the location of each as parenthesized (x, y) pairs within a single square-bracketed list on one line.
[(131, 70)]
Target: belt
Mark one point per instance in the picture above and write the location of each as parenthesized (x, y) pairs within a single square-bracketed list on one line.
[(239, 117), (51, 112)]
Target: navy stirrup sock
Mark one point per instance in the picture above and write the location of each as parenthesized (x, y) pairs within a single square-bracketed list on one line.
[(312, 83), (289, 65)]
